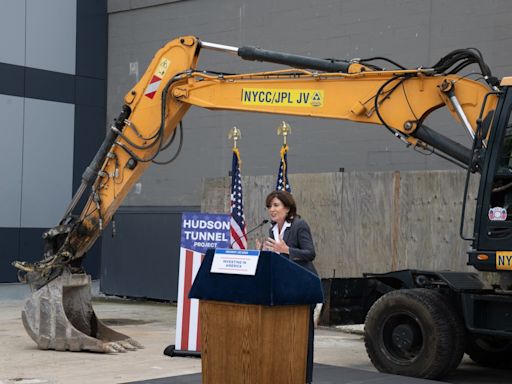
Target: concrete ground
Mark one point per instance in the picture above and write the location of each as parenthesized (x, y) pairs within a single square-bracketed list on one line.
[(153, 325)]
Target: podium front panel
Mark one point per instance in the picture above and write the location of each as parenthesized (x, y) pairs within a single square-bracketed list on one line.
[(278, 281), (253, 344)]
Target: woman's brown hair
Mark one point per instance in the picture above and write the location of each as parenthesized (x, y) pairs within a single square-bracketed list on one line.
[(288, 201)]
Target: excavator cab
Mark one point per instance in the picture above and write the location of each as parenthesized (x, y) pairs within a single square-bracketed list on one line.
[(492, 239)]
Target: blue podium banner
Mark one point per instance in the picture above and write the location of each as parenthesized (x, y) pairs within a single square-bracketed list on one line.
[(200, 231)]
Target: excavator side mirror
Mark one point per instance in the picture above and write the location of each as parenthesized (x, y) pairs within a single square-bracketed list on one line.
[(483, 127)]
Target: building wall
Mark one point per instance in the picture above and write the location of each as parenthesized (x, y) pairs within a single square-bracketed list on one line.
[(52, 116), (411, 32), (141, 257)]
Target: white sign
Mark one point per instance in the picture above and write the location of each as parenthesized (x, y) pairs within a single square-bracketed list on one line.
[(235, 261)]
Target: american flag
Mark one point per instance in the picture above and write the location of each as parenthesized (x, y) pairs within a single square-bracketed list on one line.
[(237, 222), (282, 183)]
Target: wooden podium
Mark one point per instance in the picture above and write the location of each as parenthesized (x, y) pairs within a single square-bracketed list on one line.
[(254, 329)]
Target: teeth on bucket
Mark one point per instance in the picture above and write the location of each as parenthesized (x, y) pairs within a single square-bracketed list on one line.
[(116, 347), (127, 346), (135, 343), (60, 316), (109, 348)]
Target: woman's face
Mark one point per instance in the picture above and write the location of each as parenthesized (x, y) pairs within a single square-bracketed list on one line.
[(277, 211)]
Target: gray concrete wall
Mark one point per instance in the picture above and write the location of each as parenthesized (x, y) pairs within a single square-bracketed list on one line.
[(367, 221), (411, 32)]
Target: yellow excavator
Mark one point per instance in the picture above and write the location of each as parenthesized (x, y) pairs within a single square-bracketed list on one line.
[(417, 323)]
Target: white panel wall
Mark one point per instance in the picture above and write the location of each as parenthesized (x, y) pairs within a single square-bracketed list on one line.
[(11, 145), (47, 162), (50, 37), (12, 32)]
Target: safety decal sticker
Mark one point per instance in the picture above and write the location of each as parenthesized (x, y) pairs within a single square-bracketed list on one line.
[(162, 68), (497, 214), (153, 87), (283, 97)]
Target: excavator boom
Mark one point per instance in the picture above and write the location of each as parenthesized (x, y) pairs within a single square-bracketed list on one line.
[(358, 91)]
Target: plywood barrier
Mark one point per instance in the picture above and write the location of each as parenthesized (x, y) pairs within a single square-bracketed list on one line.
[(367, 221)]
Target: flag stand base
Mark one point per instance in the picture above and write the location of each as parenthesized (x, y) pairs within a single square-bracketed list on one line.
[(172, 351)]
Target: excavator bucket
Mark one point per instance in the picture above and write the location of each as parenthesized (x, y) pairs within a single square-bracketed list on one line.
[(59, 316)]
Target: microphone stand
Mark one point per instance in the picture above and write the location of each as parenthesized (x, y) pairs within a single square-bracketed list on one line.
[(251, 231)]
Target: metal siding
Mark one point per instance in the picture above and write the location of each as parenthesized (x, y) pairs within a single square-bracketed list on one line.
[(123, 5), (48, 85), (43, 41), (11, 146), (91, 39), (88, 136), (12, 32), (31, 245), (9, 244), (92, 260), (12, 80), (51, 35), (18, 244), (47, 162), (142, 259), (90, 91)]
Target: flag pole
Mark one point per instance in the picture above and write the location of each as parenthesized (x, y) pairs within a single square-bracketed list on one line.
[(235, 135), (282, 183), (237, 228), (284, 129)]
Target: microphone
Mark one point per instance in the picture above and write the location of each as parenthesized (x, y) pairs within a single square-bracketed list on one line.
[(252, 230)]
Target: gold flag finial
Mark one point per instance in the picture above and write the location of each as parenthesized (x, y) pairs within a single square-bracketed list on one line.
[(284, 129), (235, 135)]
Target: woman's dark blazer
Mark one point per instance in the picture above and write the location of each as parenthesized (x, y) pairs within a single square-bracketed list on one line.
[(299, 240)]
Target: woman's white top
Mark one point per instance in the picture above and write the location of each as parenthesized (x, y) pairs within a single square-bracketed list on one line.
[(277, 234)]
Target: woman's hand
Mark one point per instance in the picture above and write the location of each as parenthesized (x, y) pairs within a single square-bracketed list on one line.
[(276, 246)]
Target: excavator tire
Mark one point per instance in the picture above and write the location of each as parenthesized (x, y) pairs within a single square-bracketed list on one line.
[(456, 323), (407, 332), (60, 316)]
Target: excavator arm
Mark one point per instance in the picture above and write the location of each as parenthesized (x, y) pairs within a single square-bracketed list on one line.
[(358, 91)]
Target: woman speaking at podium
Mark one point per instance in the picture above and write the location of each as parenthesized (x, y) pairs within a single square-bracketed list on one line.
[(291, 237)]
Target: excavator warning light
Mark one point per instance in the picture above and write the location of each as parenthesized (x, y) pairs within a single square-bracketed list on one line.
[(483, 257)]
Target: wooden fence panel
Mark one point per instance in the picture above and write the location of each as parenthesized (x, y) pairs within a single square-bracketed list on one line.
[(367, 221)]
